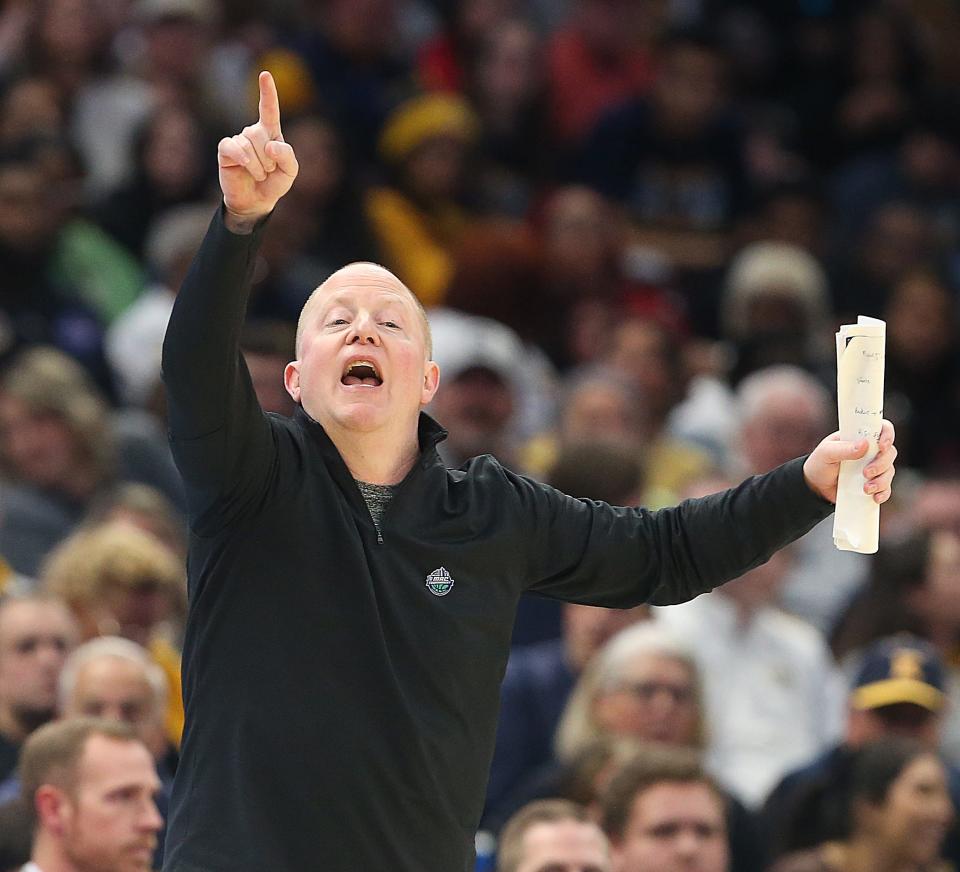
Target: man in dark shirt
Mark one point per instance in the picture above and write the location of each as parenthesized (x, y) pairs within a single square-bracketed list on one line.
[(351, 599)]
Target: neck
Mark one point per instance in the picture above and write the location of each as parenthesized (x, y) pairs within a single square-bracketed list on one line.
[(81, 483), (865, 855), (48, 855), (11, 727), (376, 458)]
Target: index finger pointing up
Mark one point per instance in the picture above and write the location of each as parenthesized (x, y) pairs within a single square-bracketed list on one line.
[(269, 105)]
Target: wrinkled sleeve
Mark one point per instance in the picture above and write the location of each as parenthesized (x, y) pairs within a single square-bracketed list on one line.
[(221, 440), (592, 553)]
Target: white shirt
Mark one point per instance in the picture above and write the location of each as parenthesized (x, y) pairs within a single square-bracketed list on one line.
[(31, 867), (772, 694), (134, 344), (823, 579)]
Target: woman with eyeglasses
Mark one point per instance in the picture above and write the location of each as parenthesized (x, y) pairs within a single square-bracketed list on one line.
[(642, 688)]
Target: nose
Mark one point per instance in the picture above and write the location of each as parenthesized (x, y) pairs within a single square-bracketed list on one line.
[(363, 330), (687, 845), (50, 656), (151, 820)]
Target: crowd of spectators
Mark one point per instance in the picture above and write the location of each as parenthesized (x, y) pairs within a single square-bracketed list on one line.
[(635, 225)]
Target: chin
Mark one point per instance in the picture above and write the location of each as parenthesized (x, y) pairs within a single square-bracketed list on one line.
[(361, 418)]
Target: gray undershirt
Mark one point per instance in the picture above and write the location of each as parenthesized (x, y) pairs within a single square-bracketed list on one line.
[(377, 497)]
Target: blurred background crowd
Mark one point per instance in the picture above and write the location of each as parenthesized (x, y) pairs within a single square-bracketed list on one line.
[(636, 225)]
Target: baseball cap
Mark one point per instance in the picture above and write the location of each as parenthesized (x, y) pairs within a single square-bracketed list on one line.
[(464, 342), (900, 669)]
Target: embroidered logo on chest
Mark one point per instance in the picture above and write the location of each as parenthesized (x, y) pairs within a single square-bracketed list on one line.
[(440, 582)]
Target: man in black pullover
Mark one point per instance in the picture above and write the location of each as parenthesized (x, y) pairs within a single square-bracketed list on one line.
[(351, 600)]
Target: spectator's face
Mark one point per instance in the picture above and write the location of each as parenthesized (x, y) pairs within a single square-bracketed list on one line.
[(38, 446), (434, 170), (476, 408), (640, 353), (362, 313), (912, 822), (362, 29), (899, 237), (899, 719), (580, 238), (266, 373), (690, 88), (318, 151), (170, 158), (937, 600), (598, 412), (35, 638), (176, 48), (24, 218), (759, 586), (564, 846), (509, 72), (674, 828), (654, 699), (788, 426), (920, 315), (71, 32), (110, 820), (137, 608), (32, 108), (118, 690)]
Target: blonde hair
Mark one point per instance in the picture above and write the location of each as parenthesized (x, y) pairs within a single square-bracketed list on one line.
[(115, 553), (578, 726), (542, 811), (49, 382)]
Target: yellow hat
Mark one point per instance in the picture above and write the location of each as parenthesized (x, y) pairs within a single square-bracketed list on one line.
[(425, 117), (295, 86)]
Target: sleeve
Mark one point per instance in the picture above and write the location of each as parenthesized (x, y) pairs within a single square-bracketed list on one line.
[(593, 553), (221, 441)]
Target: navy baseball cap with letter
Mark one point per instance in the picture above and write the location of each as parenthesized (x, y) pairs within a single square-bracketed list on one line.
[(900, 669)]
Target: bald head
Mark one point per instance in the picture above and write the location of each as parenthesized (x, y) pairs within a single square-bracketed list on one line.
[(369, 274)]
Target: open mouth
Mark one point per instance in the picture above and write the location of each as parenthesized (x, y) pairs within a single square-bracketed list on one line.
[(362, 372)]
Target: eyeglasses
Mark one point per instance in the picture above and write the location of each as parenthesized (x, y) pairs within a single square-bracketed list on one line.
[(647, 691)]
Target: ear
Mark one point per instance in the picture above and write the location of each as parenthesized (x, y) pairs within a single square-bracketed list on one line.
[(291, 379), (431, 381), (52, 807)]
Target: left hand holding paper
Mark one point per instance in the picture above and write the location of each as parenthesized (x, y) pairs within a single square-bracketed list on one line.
[(822, 468)]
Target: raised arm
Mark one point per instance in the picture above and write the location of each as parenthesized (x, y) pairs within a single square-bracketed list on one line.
[(221, 440)]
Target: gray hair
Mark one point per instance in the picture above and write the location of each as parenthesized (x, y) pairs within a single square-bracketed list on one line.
[(117, 648), (578, 727), (758, 388)]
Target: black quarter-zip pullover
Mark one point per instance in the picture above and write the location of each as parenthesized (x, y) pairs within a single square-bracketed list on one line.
[(341, 692)]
